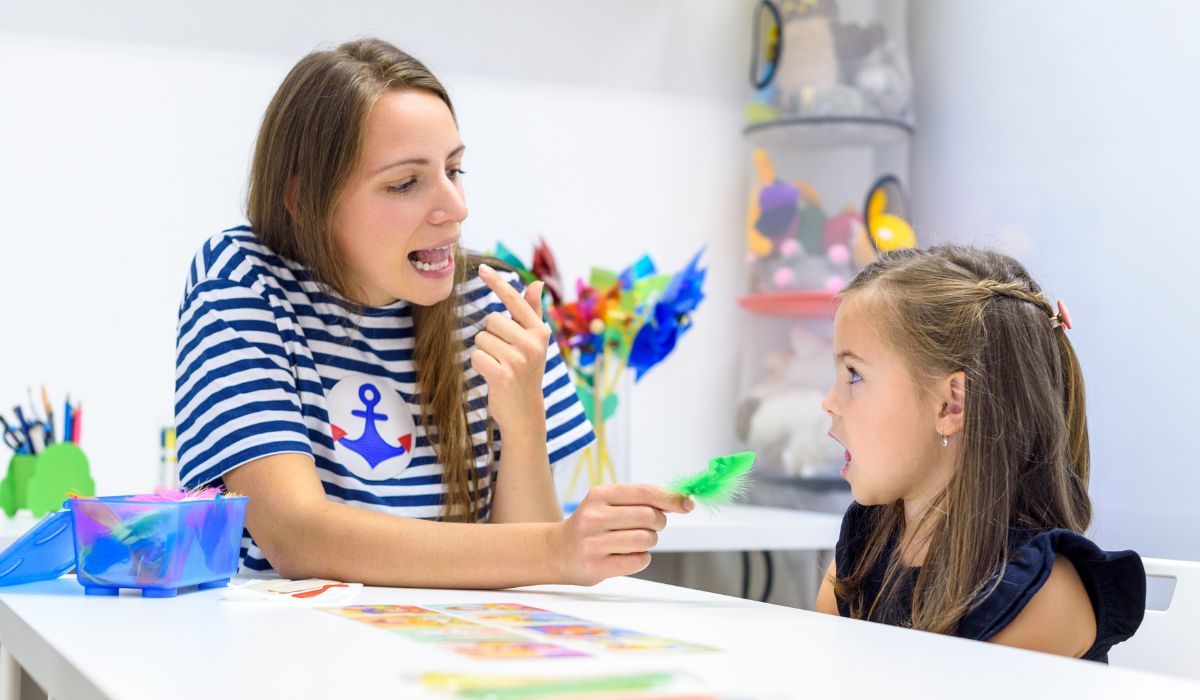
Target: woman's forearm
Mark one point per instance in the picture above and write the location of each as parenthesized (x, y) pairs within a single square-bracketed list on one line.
[(525, 489), (345, 543)]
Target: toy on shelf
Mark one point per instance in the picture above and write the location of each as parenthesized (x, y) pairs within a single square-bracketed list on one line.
[(780, 417), (885, 214), (631, 320), (809, 64), (794, 245)]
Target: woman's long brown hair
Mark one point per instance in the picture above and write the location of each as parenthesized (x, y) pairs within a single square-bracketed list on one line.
[(308, 147), (1023, 452)]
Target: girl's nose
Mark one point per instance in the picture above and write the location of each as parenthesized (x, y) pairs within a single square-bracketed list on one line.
[(827, 403)]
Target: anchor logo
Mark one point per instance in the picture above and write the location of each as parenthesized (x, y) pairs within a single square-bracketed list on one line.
[(383, 447)]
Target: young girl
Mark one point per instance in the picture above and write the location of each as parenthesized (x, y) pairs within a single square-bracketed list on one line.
[(960, 403), (390, 406)]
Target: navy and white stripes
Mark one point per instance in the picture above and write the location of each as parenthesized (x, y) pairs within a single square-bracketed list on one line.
[(260, 350)]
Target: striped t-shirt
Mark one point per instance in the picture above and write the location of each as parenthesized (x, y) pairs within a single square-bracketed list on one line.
[(266, 362)]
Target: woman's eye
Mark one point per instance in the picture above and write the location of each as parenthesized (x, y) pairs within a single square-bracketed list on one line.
[(453, 173), (402, 187), (855, 377)]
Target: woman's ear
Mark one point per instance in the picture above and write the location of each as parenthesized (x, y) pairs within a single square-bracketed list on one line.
[(952, 399)]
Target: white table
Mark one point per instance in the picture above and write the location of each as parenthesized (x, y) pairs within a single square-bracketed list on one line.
[(198, 646)]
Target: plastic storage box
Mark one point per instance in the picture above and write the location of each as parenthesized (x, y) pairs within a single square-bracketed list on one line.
[(120, 542), (158, 547)]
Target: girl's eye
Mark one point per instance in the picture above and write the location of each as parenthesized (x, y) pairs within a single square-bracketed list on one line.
[(402, 187), (855, 377), (453, 173)]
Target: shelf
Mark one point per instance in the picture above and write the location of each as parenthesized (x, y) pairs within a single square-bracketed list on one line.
[(793, 304), (828, 132)]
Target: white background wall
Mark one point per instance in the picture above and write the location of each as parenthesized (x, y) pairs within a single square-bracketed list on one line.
[(611, 129), (1062, 131)]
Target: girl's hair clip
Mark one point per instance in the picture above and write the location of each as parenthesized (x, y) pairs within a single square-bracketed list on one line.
[(1062, 318)]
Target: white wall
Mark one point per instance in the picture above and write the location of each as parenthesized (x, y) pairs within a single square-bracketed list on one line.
[(1066, 132), (612, 129)]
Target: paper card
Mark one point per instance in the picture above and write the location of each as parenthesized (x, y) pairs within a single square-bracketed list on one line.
[(381, 610), (585, 630), (649, 645), (460, 634), (526, 619), (310, 591), (514, 650), (480, 608), (414, 621)]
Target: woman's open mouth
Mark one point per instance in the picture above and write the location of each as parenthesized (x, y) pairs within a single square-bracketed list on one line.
[(433, 262)]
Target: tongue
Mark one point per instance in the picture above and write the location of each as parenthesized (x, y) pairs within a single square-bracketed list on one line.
[(433, 255)]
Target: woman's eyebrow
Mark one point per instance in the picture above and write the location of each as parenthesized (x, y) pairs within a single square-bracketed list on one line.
[(415, 161)]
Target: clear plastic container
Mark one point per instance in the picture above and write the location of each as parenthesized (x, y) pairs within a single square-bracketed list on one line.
[(840, 66), (156, 546)]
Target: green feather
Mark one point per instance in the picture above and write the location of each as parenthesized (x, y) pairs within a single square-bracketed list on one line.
[(725, 478)]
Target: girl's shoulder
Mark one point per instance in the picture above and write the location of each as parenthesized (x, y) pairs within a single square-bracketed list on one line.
[(1115, 583)]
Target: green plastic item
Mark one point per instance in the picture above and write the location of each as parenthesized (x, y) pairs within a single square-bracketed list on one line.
[(41, 482), (725, 478), (16, 483)]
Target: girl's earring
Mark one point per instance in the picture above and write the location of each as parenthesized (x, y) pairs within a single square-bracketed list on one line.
[(945, 440)]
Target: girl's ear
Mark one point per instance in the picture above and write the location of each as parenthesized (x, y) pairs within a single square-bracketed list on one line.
[(952, 398)]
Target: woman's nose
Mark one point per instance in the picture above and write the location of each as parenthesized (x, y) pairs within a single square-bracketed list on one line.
[(451, 205)]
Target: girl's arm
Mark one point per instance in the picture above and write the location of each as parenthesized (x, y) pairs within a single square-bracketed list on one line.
[(305, 535), (1059, 619), (826, 602)]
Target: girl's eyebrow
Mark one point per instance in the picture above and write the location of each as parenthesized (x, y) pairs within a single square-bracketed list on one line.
[(846, 354), (415, 161)]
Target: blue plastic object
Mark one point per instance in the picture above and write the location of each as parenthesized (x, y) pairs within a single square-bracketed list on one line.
[(156, 546), (46, 552)]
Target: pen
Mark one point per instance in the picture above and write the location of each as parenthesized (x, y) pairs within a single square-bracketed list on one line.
[(77, 423), (49, 415), (67, 420), (24, 428)]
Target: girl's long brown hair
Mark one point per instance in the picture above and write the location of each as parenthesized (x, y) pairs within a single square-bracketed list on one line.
[(307, 149), (1023, 451)]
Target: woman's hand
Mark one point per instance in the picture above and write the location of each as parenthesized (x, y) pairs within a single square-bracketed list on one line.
[(613, 530), (510, 354)]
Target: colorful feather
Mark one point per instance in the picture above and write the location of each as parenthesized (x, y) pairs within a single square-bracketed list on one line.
[(725, 478)]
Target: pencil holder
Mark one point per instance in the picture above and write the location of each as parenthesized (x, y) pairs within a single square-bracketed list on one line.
[(41, 482)]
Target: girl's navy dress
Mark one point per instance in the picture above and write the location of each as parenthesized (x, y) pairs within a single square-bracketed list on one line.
[(1115, 581)]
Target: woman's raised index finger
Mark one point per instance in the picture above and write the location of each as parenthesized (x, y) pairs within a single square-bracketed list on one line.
[(516, 304)]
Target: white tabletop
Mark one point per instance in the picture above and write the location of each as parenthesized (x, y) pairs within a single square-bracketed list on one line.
[(749, 528), (198, 646)]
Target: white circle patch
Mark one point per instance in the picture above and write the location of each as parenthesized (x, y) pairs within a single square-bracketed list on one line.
[(372, 427)]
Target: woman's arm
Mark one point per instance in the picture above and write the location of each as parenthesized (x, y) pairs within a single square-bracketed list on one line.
[(510, 354), (524, 481), (1059, 619), (303, 535)]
